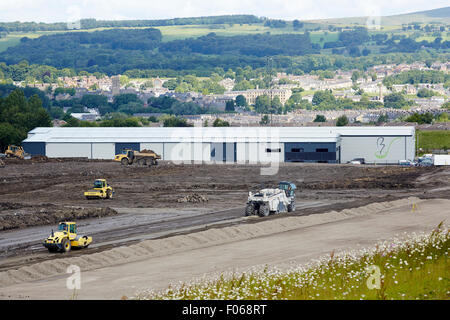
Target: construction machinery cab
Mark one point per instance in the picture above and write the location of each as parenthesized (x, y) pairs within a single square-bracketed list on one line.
[(69, 227), (288, 187), (129, 153), (100, 183), (101, 190), (65, 238), (16, 152)]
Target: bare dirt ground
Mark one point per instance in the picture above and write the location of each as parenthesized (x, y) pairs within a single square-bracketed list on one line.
[(287, 241), (35, 194)]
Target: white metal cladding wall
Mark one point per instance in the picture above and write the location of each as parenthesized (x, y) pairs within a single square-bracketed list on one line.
[(206, 152), (382, 149), (181, 151), (242, 152), (157, 147), (103, 150), (410, 148), (274, 156), (200, 152), (253, 152), (63, 150)]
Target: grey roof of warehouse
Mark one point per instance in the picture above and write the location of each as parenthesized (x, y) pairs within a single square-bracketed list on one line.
[(208, 134)]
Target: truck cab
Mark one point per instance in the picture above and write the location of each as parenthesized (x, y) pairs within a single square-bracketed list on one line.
[(288, 187)]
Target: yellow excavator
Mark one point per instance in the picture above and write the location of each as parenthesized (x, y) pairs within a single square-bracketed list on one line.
[(16, 152), (66, 238)]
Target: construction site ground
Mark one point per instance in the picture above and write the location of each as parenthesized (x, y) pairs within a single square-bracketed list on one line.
[(160, 203)]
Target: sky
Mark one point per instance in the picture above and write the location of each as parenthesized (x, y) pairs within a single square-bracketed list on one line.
[(72, 10)]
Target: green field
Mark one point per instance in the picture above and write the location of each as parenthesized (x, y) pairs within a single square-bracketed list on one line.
[(170, 33), (415, 267), (178, 32), (432, 140)]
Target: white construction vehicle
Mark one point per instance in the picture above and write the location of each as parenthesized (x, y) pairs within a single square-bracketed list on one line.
[(267, 201)]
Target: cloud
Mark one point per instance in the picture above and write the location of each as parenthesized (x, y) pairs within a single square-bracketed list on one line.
[(57, 10)]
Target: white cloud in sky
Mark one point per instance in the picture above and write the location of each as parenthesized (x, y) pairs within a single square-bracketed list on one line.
[(62, 10)]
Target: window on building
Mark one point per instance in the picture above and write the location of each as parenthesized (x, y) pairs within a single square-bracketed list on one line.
[(297, 150), (273, 150), (213, 152), (322, 150)]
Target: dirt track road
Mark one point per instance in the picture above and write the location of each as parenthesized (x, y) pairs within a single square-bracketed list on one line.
[(38, 194), (24, 246), (296, 246)]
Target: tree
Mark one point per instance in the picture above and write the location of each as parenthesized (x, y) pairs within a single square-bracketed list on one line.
[(425, 93), (125, 98), (323, 97), (241, 101), (220, 123), (355, 76), (421, 118), (320, 118), (262, 104), (264, 120), (10, 135), (276, 105), (365, 52), (18, 116), (172, 121), (395, 100), (354, 51), (229, 106), (342, 121), (94, 100), (296, 24), (383, 118)]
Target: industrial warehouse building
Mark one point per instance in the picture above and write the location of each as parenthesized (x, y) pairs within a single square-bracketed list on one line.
[(230, 144)]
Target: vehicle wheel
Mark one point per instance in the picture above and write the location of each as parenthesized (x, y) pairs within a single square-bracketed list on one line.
[(263, 210), (142, 162), (66, 245), (291, 206), (249, 210), (152, 161), (108, 194), (86, 245), (124, 161)]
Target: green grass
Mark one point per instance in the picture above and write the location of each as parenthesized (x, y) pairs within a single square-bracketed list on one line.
[(415, 267), (429, 140), (182, 32), (178, 32)]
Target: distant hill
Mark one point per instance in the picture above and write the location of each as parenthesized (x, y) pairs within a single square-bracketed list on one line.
[(441, 15), (437, 13), (86, 24), (114, 51)]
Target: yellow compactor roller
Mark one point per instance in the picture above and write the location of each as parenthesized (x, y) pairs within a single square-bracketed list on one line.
[(100, 190), (66, 238)]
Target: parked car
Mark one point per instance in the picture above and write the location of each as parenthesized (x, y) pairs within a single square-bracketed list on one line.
[(425, 162), (357, 161), (407, 163)]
